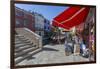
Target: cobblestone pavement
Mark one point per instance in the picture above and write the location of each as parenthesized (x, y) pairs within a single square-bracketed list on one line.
[(52, 54)]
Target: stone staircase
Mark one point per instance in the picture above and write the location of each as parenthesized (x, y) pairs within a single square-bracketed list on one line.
[(24, 48), (27, 43)]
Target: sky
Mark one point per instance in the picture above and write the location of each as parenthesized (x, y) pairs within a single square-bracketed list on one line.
[(48, 11)]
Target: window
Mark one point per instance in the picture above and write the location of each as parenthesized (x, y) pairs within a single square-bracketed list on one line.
[(17, 22), (19, 13), (26, 22), (40, 33), (33, 25), (48, 28), (44, 27)]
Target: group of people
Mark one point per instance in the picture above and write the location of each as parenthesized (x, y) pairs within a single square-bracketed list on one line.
[(76, 45)]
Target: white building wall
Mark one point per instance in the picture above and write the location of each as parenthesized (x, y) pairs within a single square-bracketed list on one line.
[(39, 24)]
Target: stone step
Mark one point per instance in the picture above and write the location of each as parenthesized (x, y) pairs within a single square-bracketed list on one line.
[(18, 36), (24, 47), (22, 44), (24, 52), (20, 59), (16, 39), (21, 38), (21, 41), (18, 42), (26, 41)]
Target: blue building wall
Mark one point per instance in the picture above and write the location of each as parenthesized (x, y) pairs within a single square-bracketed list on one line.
[(47, 27)]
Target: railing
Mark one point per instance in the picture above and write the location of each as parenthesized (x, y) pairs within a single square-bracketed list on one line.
[(28, 34)]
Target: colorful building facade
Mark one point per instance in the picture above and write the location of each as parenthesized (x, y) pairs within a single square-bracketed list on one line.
[(24, 18), (39, 24), (19, 17), (47, 25), (84, 29)]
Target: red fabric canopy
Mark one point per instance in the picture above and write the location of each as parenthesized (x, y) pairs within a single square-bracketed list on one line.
[(71, 17)]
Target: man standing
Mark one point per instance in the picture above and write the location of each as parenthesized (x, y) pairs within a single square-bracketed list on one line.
[(68, 49), (76, 45)]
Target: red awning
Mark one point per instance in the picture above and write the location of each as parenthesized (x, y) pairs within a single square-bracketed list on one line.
[(71, 17)]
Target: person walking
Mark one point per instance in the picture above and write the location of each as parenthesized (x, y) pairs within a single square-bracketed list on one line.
[(76, 45), (68, 49)]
